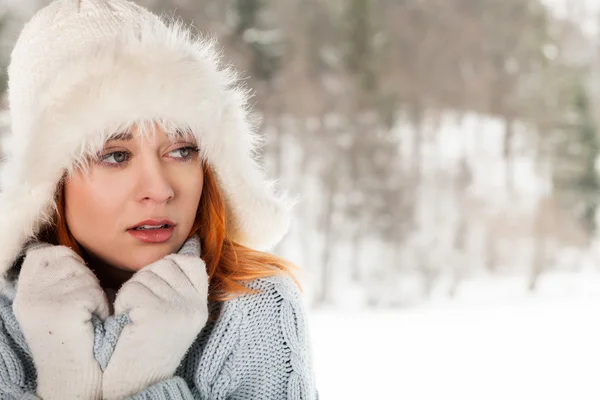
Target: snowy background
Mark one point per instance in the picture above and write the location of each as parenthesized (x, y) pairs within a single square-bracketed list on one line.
[(489, 335), (445, 154)]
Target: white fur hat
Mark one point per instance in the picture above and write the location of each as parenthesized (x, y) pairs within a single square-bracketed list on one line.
[(83, 70)]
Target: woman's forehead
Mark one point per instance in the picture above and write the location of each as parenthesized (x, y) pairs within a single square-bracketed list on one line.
[(152, 130)]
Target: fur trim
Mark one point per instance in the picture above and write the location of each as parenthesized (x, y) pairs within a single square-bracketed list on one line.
[(98, 94)]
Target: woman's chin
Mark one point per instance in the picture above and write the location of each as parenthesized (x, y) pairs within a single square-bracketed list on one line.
[(144, 258)]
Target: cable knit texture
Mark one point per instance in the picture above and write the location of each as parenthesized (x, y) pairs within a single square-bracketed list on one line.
[(106, 335), (257, 349)]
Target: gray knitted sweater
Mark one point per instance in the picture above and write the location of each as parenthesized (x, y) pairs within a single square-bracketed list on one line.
[(257, 348)]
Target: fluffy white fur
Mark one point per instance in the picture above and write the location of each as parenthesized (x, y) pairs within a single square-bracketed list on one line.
[(81, 74)]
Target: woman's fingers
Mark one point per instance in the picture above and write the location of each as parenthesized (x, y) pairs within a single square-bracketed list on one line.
[(53, 264), (56, 274), (194, 270), (168, 270), (132, 295)]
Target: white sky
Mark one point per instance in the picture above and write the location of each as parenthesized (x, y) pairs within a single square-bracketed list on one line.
[(585, 10)]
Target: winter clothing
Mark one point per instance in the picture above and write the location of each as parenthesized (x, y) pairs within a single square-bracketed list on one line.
[(167, 306), (75, 79), (256, 349), (82, 71), (56, 297)]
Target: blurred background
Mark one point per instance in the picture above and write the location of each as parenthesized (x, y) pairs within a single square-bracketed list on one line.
[(446, 158)]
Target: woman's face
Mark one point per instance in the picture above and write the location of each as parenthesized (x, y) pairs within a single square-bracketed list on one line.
[(150, 181)]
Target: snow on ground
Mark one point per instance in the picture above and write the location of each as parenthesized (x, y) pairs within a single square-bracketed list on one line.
[(511, 346)]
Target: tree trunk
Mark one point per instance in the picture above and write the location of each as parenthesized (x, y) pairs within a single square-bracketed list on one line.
[(325, 295), (508, 152)]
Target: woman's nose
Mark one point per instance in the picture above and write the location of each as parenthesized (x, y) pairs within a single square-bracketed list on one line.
[(154, 183)]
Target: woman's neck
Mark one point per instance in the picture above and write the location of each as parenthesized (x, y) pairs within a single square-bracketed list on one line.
[(110, 277)]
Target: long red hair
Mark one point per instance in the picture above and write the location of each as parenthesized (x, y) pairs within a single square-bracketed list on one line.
[(228, 264)]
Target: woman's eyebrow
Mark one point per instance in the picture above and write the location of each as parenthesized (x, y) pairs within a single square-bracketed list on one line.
[(125, 136), (184, 135)]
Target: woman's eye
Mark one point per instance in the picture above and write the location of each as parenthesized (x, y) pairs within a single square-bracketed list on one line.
[(183, 152), (117, 157)]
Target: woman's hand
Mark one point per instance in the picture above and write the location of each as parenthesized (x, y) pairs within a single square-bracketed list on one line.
[(56, 296), (167, 303)]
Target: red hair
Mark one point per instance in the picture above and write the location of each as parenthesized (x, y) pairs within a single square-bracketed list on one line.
[(228, 264)]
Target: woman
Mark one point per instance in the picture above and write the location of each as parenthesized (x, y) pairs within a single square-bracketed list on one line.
[(133, 218)]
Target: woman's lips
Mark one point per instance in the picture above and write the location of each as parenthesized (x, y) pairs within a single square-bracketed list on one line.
[(152, 235)]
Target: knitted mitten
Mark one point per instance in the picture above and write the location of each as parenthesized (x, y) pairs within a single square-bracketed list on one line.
[(167, 305), (56, 296)]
